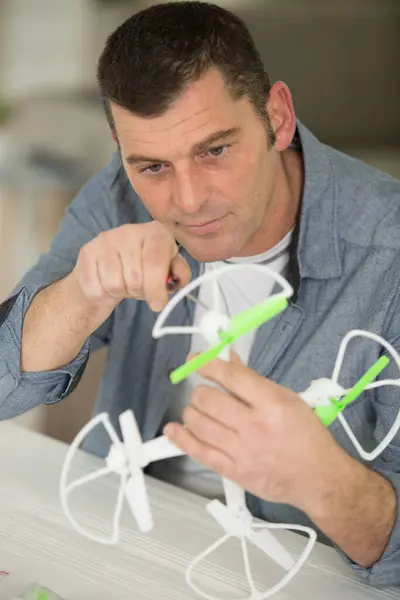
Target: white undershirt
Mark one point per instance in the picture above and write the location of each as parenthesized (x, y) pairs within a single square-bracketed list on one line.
[(239, 291)]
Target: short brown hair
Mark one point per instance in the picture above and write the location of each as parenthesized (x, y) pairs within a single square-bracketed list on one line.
[(151, 58)]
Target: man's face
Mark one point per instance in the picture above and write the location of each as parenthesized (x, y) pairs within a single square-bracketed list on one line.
[(203, 169)]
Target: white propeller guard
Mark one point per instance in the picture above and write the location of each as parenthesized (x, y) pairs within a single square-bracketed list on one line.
[(321, 390), (159, 330), (127, 459), (260, 535), (66, 488)]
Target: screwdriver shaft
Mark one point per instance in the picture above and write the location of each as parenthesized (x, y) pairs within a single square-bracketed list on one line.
[(173, 286), (197, 301)]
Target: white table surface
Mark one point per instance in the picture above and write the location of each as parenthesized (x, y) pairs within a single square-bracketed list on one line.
[(38, 544)]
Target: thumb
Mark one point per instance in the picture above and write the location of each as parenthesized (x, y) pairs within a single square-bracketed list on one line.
[(234, 357)]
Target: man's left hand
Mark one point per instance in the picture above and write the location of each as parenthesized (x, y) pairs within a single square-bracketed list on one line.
[(260, 435)]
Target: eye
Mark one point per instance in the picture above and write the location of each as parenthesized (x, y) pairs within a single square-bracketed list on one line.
[(153, 169), (218, 151)]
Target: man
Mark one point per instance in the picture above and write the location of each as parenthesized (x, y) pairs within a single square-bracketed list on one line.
[(212, 166)]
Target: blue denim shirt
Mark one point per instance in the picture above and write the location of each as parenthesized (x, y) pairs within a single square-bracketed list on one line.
[(345, 267)]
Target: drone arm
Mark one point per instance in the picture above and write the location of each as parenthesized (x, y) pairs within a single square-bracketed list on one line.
[(159, 449), (136, 495), (235, 496)]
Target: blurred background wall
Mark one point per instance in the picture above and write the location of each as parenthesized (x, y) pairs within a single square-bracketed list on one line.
[(341, 59)]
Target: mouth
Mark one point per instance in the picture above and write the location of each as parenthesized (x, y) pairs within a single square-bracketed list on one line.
[(204, 227)]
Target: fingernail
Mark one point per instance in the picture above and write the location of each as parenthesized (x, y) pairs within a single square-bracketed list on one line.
[(156, 306)]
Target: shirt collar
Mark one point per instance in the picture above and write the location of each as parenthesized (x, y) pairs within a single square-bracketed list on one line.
[(314, 252)]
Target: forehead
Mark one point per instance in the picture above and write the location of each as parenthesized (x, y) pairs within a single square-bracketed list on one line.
[(205, 106)]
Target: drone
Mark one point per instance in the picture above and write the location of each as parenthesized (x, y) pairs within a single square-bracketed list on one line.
[(130, 456)]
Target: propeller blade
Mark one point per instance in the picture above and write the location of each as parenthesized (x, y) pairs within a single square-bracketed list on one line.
[(131, 438), (197, 362), (252, 318), (240, 325), (327, 414), (265, 541), (138, 500), (159, 449)]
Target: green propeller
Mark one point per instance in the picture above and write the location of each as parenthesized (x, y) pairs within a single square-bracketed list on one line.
[(240, 324), (327, 414)]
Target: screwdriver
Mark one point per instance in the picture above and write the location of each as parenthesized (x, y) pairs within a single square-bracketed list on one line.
[(173, 285)]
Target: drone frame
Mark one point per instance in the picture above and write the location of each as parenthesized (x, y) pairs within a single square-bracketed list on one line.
[(234, 517)]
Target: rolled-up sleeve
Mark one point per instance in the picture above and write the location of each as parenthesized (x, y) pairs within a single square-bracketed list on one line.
[(385, 404), (20, 391)]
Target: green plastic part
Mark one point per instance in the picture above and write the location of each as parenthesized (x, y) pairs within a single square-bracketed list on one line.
[(240, 324), (196, 363), (36, 591), (252, 318), (327, 414)]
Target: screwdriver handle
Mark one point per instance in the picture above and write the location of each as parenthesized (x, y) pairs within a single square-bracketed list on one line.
[(172, 282)]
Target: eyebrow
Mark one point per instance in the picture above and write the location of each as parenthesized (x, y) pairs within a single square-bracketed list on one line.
[(217, 136)]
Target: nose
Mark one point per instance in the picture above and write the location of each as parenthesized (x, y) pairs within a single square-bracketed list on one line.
[(190, 192)]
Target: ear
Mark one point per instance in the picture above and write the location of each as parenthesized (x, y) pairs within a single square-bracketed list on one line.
[(114, 137), (281, 113)]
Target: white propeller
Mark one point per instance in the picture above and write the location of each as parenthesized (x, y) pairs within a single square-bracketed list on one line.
[(128, 459), (242, 527), (321, 390)]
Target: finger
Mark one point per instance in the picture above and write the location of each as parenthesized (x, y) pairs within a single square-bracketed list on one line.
[(211, 432), (240, 381), (203, 453), (110, 274), (234, 357), (88, 276), (132, 271), (157, 254), (221, 407)]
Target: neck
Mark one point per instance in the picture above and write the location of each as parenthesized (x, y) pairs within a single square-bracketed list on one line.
[(281, 214)]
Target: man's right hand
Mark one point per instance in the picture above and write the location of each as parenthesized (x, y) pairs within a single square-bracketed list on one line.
[(131, 261)]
